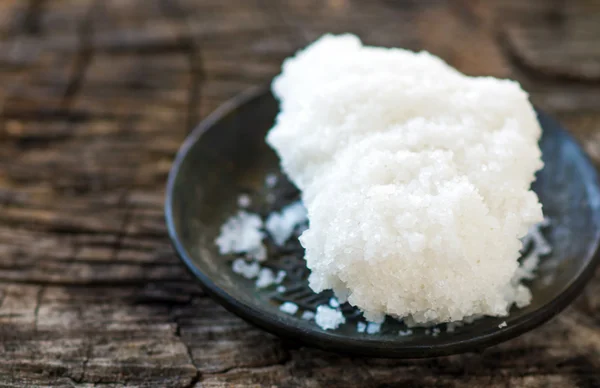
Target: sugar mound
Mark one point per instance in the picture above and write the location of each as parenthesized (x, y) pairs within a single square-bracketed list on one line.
[(416, 179), (328, 318)]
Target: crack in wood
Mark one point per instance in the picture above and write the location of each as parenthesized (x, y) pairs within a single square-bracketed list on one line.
[(174, 10), (38, 304), (298, 38), (551, 47), (127, 217), (196, 378), (84, 365), (31, 21), (532, 71), (465, 9), (256, 369), (83, 56), (557, 13), (195, 90), (84, 284)]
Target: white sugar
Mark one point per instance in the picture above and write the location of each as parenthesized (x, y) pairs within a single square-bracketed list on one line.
[(373, 328), (361, 327), (289, 308), (266, 277), (451, 326), (417, 183), (308, 315), (503, 324), (271, 180), (281, 225), (280, 289), (247, 270), (241, 233), (280, 276), (244, 200), (333, 302), (404, 333), (538, 247), (258, 253), (328, 318)]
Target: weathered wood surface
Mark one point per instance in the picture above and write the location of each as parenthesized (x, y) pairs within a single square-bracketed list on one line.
[(95, 98)]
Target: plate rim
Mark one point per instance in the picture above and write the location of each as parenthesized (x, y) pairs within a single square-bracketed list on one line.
[(330, 341)]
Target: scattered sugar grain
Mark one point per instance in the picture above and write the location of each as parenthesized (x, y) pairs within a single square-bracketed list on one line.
[(271, 180), (244, 200), (289, 308), (308, 315), (280, 289), (328, 318), (373, 328), (333, 302), (361, 327), (247, 270), (259, 253), (451, 327), (266, 277), (281, 225), (548, 280), (503, 324), (281, 274), (404, 333), (241, 233)]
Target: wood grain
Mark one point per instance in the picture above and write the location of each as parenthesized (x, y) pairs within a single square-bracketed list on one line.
[(96, 97)]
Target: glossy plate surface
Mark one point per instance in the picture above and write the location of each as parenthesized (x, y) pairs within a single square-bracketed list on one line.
[(226, 155)]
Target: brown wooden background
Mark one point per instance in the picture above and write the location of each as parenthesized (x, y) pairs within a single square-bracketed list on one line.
[(95, 98)]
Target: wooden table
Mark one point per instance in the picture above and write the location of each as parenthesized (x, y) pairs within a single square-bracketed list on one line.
[(96, 97)]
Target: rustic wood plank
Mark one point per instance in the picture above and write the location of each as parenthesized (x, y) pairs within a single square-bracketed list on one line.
[(97, 96)]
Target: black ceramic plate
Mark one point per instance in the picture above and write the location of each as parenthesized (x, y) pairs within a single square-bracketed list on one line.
[(226, 155)]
